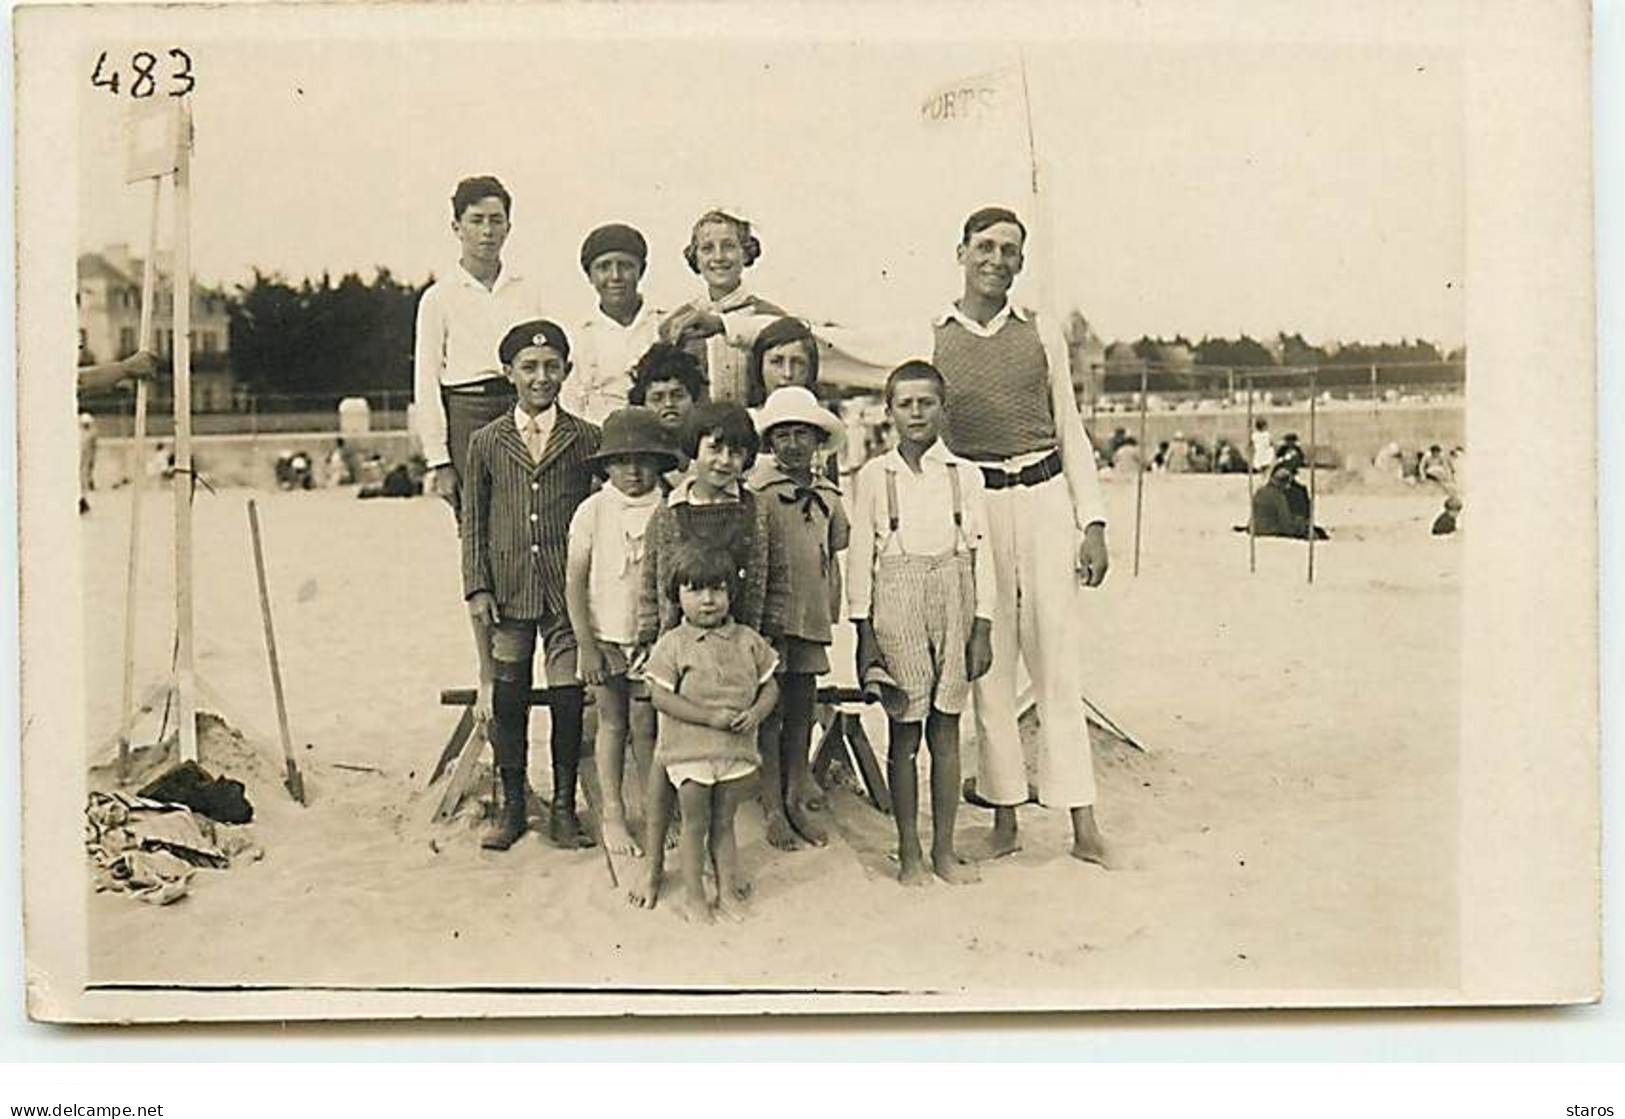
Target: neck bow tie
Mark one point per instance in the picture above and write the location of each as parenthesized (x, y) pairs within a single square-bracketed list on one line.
[(806, 497)]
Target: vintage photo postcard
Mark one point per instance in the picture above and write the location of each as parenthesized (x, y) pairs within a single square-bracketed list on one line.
[(676, 509)]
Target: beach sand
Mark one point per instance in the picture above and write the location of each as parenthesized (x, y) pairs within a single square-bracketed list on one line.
[(1293, 826)]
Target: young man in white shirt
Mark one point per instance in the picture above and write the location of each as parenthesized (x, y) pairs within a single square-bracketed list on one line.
[(621, 329), (457, 384)]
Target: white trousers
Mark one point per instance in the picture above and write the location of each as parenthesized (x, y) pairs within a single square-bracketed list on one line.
[(1036, 616)]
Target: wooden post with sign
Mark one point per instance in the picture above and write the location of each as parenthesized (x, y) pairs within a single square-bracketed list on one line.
[(153, 149)]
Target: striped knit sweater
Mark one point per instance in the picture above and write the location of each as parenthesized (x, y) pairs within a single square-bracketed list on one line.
[(999, 402), (516, 513)]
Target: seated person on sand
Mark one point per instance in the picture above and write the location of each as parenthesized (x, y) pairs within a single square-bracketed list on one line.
[(1449, 518), (1273, 513)]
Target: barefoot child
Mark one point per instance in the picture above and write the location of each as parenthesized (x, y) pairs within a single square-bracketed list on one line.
[(711, 508), (922, 597), (812, 520), (603, 567), (711, 679), (528, 471)]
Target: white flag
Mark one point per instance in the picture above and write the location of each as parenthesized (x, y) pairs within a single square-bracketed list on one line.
[(152, 135), (979, 100)]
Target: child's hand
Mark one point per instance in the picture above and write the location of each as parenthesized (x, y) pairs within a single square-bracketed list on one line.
[(722, 718), (590, 663), (482, 607), (745, 721), (868, 650), (483, 712), (979, 649)]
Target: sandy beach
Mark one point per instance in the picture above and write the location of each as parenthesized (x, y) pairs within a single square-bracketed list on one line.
[(1293, 825)]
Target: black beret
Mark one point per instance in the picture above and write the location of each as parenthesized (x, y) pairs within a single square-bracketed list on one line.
[(536, 332), (613, 238)]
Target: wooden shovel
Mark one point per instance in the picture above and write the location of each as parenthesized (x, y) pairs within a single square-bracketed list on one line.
[(293, 780)]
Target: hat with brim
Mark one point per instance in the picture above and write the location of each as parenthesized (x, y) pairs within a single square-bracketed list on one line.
[(635, 431), (793, 404), (880, 686)]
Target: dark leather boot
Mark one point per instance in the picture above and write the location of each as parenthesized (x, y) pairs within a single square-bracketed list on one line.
[(564, 827), (511, 821)]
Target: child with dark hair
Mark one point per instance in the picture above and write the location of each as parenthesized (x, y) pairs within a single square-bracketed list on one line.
[(712, 682), (721, 327), (711, 509), (921, 593), (669, 381), (784, 353)]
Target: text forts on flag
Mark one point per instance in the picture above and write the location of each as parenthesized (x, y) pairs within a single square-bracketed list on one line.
[(976, 101)]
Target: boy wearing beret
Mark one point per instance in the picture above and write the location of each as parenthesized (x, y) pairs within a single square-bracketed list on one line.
[(528, 471), (620, 330)]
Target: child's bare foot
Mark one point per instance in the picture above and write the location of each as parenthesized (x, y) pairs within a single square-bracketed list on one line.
[(803, 820), (780, 834), (953, 869), (913, 871), (696, 911), (644, 892), (674, 836), (804, 789), (618, 838), (995, 844), (731, 906)]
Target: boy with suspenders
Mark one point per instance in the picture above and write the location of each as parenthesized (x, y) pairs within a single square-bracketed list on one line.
[(922, 601)]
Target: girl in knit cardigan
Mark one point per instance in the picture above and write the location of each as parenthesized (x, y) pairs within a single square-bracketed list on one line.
[(710, 509)]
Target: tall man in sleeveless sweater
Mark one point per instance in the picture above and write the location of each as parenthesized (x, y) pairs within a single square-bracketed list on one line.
[(1011, 410)]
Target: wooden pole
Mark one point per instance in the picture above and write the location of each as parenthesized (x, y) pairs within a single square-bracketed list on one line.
[(1252, 540), (1139, 482), (1312, 510), (292, 779), (137, 464), (185, 678)]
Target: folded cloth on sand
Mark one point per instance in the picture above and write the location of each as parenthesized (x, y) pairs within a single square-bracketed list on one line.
[(155, 877), (148, 848)]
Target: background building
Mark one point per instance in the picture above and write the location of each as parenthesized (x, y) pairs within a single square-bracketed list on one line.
[(109, 302)]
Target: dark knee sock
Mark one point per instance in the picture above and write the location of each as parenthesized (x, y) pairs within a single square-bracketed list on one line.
[(510, 723), (565, 743)]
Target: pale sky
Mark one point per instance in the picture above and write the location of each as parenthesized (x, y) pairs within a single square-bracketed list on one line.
[(1194, 189)]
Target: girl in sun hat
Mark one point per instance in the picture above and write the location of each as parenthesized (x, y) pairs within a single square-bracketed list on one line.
[(603, 573), (721, 327), (810, 516)]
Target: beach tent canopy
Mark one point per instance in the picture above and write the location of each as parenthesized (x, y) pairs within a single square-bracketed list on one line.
[(859, 358)]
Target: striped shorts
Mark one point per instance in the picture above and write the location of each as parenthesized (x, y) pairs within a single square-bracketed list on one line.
[(922, 617)]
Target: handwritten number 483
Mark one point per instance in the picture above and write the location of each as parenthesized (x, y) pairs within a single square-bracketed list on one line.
[(145, 78)]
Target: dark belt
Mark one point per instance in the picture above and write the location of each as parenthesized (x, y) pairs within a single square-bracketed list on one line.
[(1041, 471), (491, 386)]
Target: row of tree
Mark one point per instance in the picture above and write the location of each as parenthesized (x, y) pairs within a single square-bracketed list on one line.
[(321, 338), (324, 338)]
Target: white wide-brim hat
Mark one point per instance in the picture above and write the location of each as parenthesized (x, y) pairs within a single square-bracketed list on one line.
[(793, 404)]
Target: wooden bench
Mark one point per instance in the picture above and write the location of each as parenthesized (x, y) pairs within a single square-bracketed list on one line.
[(842, 738)]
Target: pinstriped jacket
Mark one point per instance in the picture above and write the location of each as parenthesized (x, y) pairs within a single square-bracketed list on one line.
[(516, 513)]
